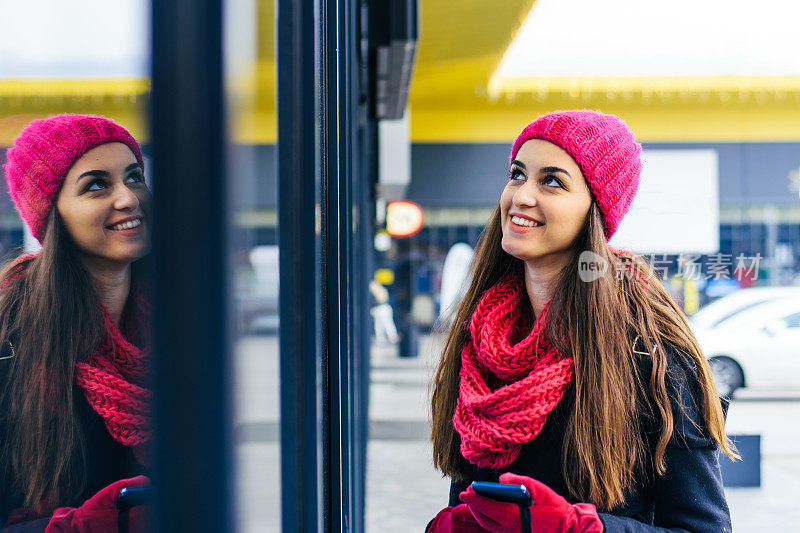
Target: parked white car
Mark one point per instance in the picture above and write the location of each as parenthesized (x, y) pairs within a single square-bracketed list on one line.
[(716, 312), (757, 347), (256, 296)]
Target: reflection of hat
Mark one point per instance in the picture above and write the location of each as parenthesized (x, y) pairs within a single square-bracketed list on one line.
[(604, 148), (43, 153)]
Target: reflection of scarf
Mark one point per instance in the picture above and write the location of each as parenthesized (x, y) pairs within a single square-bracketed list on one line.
[(113, 380), (494, 423)]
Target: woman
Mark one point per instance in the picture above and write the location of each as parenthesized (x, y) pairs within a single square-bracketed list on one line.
[(74, 417), (568, 368)]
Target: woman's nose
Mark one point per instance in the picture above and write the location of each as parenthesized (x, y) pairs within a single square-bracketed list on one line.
[(125, 199), (525, 196)]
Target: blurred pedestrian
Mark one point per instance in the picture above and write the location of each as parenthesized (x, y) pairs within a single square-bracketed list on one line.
[(382, 315), (569, 369), (75, 424)]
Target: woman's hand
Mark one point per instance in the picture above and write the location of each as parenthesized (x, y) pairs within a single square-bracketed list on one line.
[(550, 513), (99, 513), (456, 519)]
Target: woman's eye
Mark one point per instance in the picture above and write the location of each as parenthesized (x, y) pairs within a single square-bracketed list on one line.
[(96, 185), (137, 178), (515, 174), (548, 179)]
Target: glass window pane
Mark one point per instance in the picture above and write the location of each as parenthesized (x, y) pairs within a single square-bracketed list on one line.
[(250, 90), (63, 62)]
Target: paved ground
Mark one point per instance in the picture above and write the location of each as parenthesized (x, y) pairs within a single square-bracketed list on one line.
[(258, 452), (404, 491)]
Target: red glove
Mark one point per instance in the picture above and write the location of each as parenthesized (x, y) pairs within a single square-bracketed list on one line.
[(99, 514), (550, 513), (456, 519)]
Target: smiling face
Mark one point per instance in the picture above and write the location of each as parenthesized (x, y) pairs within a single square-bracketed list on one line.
[(104, 203), (545, 186)]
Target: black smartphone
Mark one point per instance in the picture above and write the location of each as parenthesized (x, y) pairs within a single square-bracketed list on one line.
[(131, 497), (503, 492)]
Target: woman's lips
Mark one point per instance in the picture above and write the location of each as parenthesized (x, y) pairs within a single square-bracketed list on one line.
[(521, 229), (128, 231)]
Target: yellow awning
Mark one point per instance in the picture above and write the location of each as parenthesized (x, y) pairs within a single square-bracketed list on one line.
[(453, 95)]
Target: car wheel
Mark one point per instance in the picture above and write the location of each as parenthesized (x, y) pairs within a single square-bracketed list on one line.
[(727, 375)]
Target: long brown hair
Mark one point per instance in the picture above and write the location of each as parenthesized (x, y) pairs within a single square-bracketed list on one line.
[(50, 310), (596, 323)]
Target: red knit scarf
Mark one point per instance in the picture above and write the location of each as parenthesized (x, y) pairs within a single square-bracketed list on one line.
[(494, 423), (113, 380)]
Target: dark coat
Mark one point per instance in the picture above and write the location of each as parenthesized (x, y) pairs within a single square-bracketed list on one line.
[(108, 460), (688, 498)]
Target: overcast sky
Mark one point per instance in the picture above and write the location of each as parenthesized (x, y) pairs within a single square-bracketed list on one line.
[(657, 38), (74, 38)]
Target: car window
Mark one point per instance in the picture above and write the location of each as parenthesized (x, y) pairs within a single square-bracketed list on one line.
[(792, 321), (737, 311)]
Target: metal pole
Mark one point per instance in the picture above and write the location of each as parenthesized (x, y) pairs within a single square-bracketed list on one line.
[(193, 469), (303, 287)]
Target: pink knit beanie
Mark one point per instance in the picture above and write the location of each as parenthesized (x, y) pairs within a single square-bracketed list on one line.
[(43, 153), (605, 150)]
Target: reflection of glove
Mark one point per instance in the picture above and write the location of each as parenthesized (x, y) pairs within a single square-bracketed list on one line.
[(550, 513), (456, 519), (99, 514)]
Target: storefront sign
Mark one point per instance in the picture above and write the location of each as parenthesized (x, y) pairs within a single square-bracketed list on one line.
[(403, 218)]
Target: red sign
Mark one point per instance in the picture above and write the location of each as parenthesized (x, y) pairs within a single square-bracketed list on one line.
[(403, 218)]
